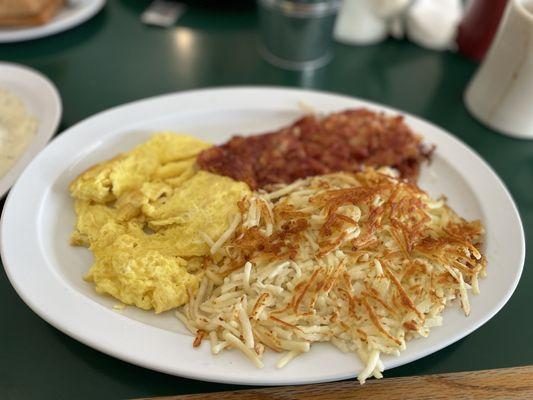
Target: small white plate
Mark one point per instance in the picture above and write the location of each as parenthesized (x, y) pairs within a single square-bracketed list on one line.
[(73, 14), (42, 102), (47, 273)]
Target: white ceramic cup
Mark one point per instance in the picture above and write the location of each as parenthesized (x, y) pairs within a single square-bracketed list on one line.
[(501, 93)]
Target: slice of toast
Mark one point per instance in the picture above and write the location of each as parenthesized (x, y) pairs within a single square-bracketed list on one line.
[(18, 8), (15, 13)]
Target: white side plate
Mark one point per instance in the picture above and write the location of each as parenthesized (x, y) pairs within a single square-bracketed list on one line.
[(47, 272), (42, 101), (73, 14)]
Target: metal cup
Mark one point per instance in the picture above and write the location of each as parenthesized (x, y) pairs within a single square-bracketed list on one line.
[(297, 34)]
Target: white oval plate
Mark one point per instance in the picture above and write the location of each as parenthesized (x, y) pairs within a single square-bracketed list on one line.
[(73, 14), (42, 102), (47, 273)]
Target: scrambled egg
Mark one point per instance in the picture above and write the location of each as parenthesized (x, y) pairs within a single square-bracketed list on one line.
[(108, 181), (203, 203), (129, 269), (143, 214)]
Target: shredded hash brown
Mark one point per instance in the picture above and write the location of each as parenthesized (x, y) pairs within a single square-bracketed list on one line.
[(365, 261)]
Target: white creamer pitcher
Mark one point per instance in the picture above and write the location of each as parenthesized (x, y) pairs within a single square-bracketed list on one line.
[(501, 93)]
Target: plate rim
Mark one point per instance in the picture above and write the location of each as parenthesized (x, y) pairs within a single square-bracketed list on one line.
[(300, 92), (31, 151), (91, 8)]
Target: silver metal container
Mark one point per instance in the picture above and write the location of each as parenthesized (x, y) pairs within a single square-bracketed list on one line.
[(297, 34)]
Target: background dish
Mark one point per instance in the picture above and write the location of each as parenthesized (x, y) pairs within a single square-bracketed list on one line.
[(74, 13), (47, 272), (42, 101)]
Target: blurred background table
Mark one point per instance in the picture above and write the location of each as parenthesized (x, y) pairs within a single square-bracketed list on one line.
[(113, 59)]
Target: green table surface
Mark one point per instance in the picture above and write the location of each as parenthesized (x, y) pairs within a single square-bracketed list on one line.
[(113, 59)]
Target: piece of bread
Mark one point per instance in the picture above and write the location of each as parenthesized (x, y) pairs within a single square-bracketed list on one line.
[(28, 12), (18, 8)]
